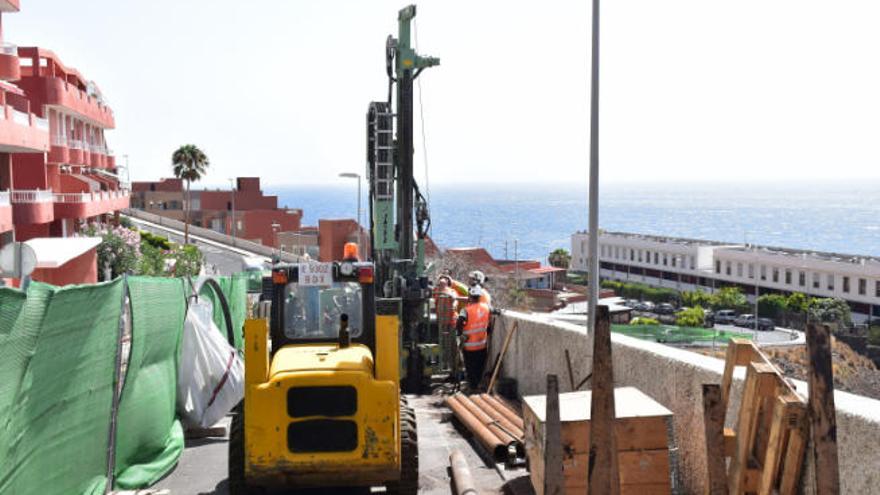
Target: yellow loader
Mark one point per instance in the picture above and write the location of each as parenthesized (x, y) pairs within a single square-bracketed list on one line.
[(322, 405)]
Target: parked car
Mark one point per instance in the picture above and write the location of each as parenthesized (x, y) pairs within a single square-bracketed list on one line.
[(746, 321), (665, 309), (708, 318), (645, 306), (766, 324), (631, 303), (725, 316)]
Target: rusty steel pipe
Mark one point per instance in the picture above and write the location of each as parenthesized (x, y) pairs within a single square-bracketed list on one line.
[(461, 474), (487, 420), (488, 439), (505, 410), (499, 418)]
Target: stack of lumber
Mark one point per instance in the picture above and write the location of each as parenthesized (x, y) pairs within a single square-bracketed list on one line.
[(641, 427)]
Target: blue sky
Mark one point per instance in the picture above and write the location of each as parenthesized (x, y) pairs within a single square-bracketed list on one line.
[(691, 90)]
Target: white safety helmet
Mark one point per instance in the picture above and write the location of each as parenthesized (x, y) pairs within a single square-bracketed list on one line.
[(477, 277), (475, 292)]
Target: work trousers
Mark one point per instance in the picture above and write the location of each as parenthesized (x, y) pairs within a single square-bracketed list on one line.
[(474, 362)]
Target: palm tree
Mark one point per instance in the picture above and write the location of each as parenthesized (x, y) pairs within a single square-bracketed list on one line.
[(190, 164), (560, 258)]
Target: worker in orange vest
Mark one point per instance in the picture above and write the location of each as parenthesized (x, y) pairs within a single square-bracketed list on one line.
[(445, 302), (477, 278), (473, 325)]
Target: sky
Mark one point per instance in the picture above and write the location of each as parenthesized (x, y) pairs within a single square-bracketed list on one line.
[(690, 90)]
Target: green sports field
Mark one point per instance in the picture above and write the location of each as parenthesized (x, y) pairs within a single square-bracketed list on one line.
[(671, 334)]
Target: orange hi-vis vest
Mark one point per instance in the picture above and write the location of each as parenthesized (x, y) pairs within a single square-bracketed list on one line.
[(476, 328), (444, 302)]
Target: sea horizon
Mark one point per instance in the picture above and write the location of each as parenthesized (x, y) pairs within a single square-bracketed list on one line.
[(841, 216)]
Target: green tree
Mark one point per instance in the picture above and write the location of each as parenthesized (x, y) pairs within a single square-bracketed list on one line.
[(560, 258), (835, 312), (730, 298), (697, 298), (190, 164), (691, 317), (772, 306)]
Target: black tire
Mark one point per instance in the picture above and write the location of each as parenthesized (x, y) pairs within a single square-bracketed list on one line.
[(409, 455), (237, 483)]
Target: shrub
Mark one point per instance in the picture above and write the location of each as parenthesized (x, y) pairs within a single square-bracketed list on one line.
[(156, 240), (643, 320), (691, 317)]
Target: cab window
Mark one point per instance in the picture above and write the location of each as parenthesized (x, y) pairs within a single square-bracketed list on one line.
[(314, 312)]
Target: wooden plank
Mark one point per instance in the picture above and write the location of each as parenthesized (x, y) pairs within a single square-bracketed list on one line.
[(570, 372), (507, 339), (821, 407), (631, 434), (775, 441), (794, 452), (713, 424), (738, 350), (729, 442), (553, 477), (603, 475), (760, 378), (639, 467)]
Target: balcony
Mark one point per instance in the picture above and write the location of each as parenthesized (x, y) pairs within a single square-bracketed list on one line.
[(5, 212), (75, 152), (10, 68), (59, 153), (89, 204), (22, 132), (32, 206), (90, 108)]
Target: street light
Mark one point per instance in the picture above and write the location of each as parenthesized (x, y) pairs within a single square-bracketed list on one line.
[(232, 189), (352, 175), (275, 228)]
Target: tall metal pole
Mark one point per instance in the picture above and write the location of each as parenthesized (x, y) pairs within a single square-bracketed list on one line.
[(594, 173)]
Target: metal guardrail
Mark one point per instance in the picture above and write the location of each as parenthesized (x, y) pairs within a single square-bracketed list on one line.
[(242, 244), (59, 140), (32, 196)]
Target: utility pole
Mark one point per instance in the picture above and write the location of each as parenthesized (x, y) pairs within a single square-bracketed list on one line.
[(232, 190), (594, 174), (516, 261)]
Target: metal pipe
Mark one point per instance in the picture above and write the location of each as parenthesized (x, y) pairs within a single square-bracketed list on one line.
[(504, 409), (486, 437), (461, 474), (487, 420), (496, 415)]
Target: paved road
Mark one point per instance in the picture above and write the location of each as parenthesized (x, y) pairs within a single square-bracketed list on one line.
[(202, 469)]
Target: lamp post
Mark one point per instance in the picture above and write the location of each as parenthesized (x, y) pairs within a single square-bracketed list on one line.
[(275, 228), (232, 190), (352, 175)]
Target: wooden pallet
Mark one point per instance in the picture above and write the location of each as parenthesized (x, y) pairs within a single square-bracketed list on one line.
[(767, 448)]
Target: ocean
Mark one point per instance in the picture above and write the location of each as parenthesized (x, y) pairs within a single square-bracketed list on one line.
[(840, 216)]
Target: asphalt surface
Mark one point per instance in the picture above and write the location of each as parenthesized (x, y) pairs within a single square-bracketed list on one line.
[(202, 468)]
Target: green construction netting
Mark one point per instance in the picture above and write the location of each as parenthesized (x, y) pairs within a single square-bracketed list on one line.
[(15, 348), (235, 290), (149, 439), (62, 352)]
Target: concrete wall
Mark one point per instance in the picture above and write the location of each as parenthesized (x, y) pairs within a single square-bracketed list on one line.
[(674, 378)]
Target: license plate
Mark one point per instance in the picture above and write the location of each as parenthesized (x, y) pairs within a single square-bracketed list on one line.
[(316, 274)]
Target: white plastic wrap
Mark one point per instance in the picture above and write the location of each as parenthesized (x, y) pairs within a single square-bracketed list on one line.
[(211, 378)]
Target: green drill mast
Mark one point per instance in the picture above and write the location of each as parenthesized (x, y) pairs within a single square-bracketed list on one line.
[(398, 212)]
